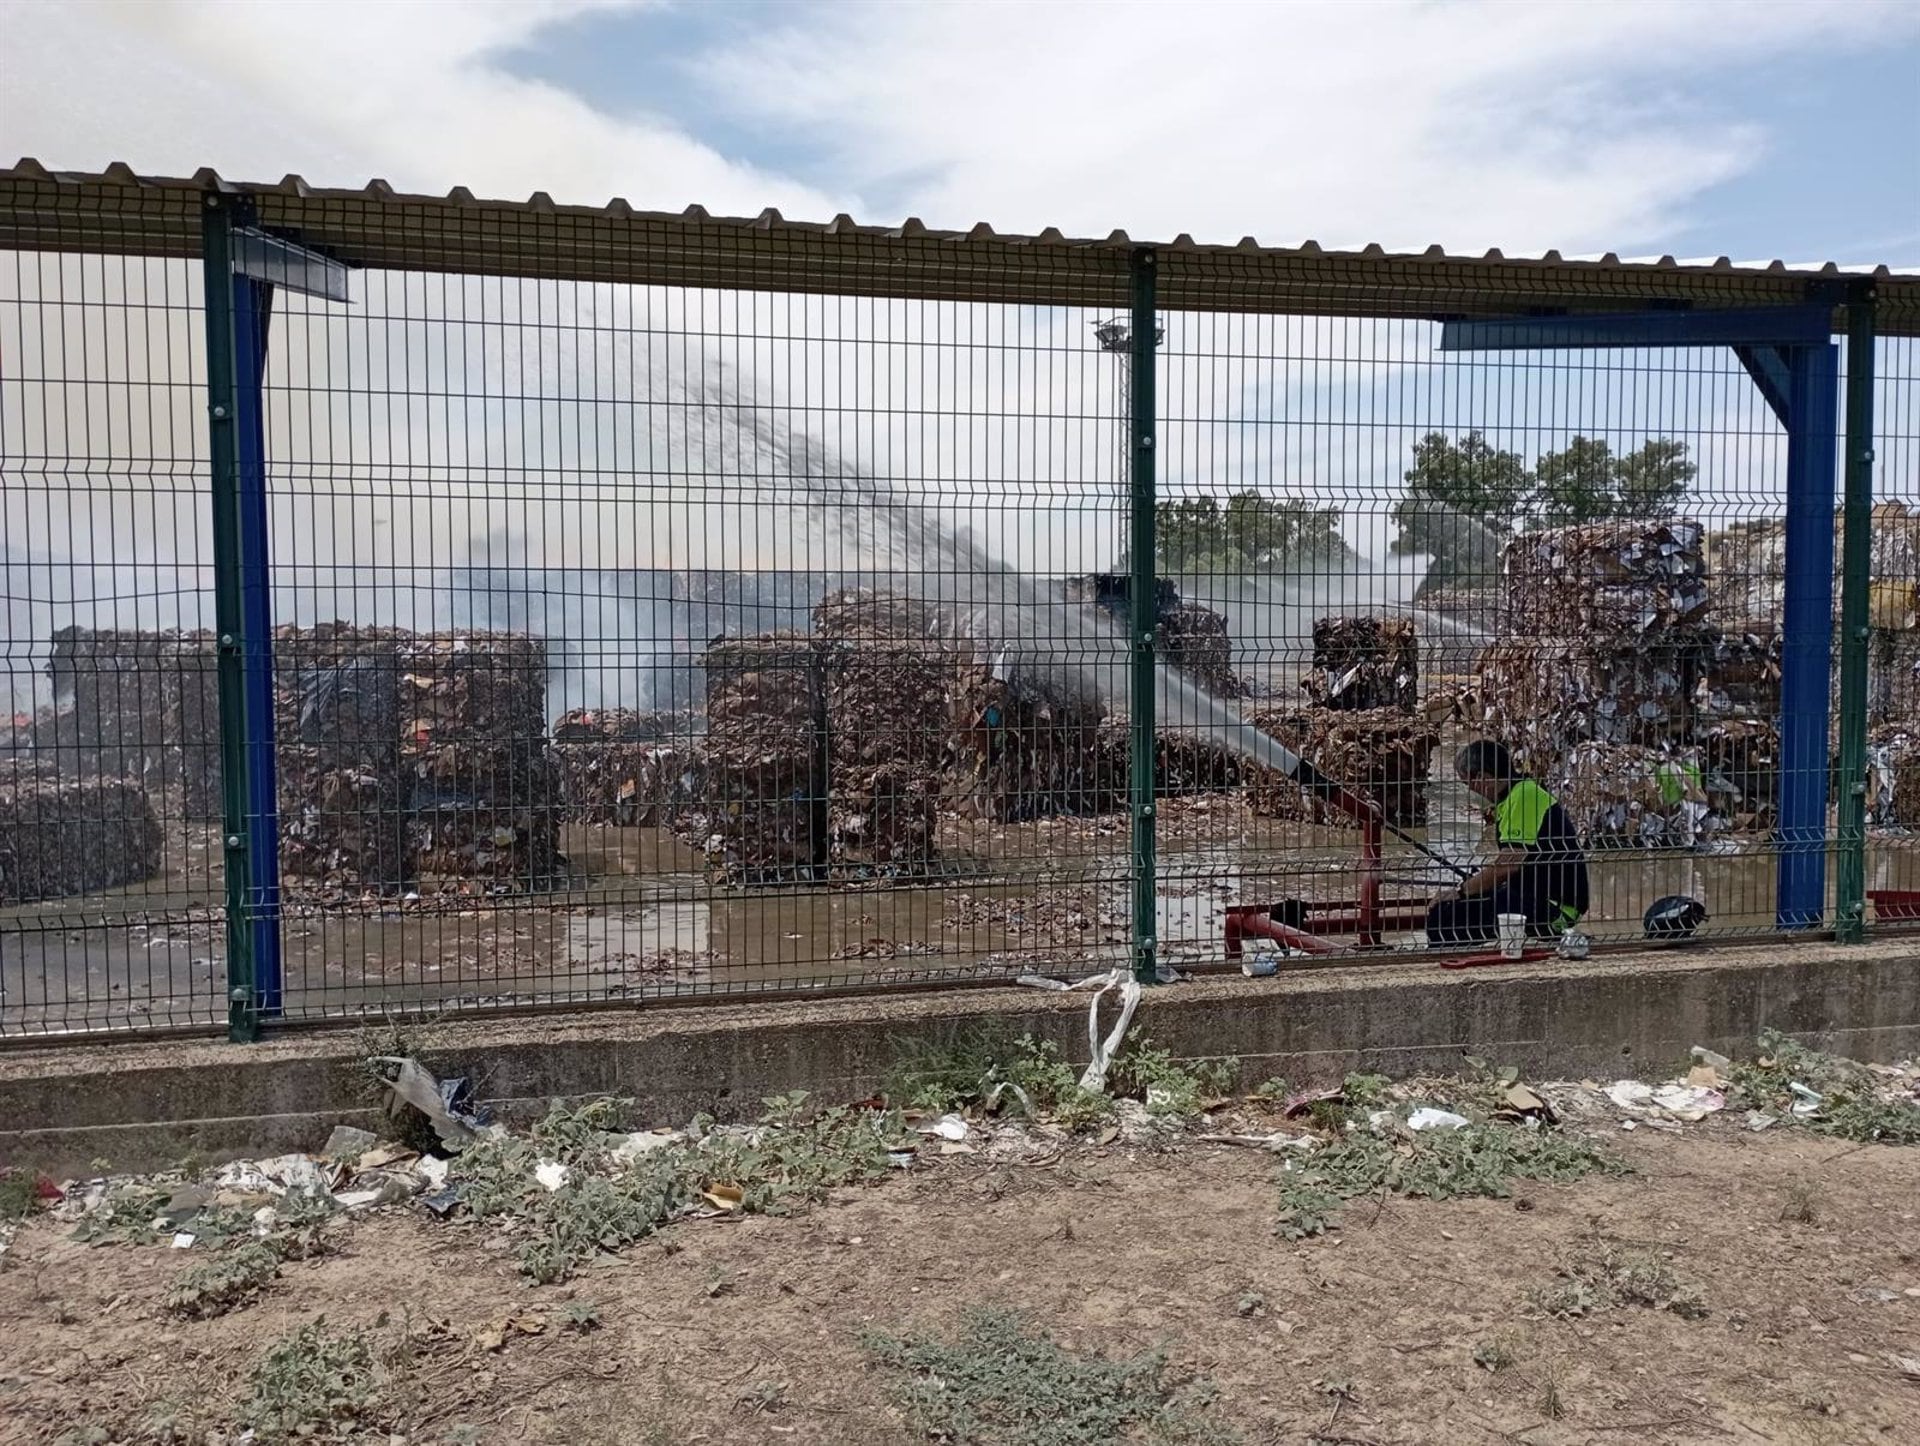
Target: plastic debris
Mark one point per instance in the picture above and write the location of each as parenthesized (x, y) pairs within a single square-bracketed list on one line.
[(1095, 1076), (433, 1170), (348, 1143), (947, 1127), (414, 1085), (1429, 1118), (901, 1157), (1690, 1103), (1806, 1101), (381, 1187), (639, 1142), (551, 1174), (1574, 945), (296, 1173), (183, 1240), (1630, 1094), (444, 1201), (1758, 1120)]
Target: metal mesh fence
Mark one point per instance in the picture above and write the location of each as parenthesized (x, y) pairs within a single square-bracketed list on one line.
[(478, 628)]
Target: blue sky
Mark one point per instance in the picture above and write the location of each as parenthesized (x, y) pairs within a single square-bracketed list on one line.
[(1835, 174)]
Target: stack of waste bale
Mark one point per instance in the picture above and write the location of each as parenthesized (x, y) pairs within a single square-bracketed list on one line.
[(1893, 777), (1627, 795), (139, 705), (1028, 750), (889, 682), (1741, 761), (763, 776), (483, 801), (60, 837), (1600, 693), (1384, 754), (1186, 762), (635, 768), (1363, 728), (1188, 636), (342, 796)]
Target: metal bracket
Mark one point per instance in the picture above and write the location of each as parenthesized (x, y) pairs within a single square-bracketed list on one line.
[(261, 256)]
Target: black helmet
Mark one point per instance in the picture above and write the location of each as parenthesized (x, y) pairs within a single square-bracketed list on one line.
[(1674, 917)]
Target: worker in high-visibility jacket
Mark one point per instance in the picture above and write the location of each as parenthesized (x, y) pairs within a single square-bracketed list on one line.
[(1540, 870)]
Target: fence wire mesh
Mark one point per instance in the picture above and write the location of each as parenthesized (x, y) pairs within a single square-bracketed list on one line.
[(632, 641)]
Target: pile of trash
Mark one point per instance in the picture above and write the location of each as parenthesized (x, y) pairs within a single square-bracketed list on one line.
[(1196, 640), (1893, 777), (1383, 754), (1548, 694), (763, 777), (1617, 579), (1624, 795), (627, 767), (65, 836), (142, 705), (1364, 663)]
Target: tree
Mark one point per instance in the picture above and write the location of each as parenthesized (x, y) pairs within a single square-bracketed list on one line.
[(1251, 533), (1652, 482), (1575, 485), (1461, 504)]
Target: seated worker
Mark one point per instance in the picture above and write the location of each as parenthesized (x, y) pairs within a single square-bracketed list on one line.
[(1539, 871)]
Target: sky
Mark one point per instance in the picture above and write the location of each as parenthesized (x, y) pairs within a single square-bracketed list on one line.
[(1750, 129), (1698, 128)]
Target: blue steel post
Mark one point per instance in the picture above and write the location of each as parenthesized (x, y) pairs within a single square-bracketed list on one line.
[(1807, 650), (1143, 611), (252, 318)]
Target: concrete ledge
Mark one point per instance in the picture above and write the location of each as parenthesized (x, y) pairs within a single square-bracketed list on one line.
[(144, 1104)]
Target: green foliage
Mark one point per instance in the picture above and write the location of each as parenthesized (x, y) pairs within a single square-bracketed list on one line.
[(1464, 499), (1251, 533), (795, 1155), (1003, 1381), (16, 1194), (583, 1316), (314, 1383), (1497, 1352), (1853, 1105), (1617, 1278), (1480, 1160), (126, 1216), (1146, 1072), (992, 1070), (231, 1278)]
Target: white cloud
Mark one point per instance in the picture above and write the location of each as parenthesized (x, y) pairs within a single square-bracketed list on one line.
[(1403, 121), (342, 92)]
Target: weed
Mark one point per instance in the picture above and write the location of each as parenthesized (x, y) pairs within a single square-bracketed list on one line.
[(463, 1434), (1497, 1352), (16, 1194), (1002, 1380), (1250, 1305), (1145, 1071), (228, 1280), (1479, 1160), (126, 1216), (583, 1316), (1272, 1091), (993, 1070), (310, 1383), (1619, 1278), (1551, 1404), (719, 1281), (1802, 1203), (1852, 1107)]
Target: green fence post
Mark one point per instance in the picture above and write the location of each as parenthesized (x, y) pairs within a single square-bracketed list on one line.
[(216, 233), (1143, 608), (1856, 586)]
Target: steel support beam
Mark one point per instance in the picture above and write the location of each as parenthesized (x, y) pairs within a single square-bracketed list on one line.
[(1809, 325), (1806, 665), (1143, 609)]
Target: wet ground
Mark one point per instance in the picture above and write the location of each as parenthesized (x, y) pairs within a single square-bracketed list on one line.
[(640, 918)]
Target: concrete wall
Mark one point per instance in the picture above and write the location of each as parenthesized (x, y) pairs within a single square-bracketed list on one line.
[(145, 1104)]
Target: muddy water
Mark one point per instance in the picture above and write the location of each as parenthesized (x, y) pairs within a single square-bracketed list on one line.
[(641, 919)]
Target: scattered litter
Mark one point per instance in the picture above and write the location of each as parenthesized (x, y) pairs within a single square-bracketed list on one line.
[(551, 1174), (413, 1085), (183, 1241), (384, 1187), (381, 1156), (1299, 1104), (1104, 1050), (947, 1127), (296, 1173), (1379, 1120), (1630, 1094), (636, 1144), (1428, 1118), (494, 1336), (724, 1197), (1526, 1103), (1758, 1120), (1806, 1101), (433, 1170), (1705, 1076), (1908, 1366), (901, 1157), (1690, 1103), (348, 1143), (1876, 1295), (948, 1147), (1629, 1124), (443, 1202), (1703, 1055), (1260, 966)]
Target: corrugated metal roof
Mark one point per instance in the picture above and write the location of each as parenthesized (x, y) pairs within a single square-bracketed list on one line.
[(116, 211)]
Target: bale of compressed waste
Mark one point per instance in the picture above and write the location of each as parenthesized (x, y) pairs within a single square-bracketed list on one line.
[(342, 796), (634, 768), (1186, 762), (1547, 694), (483, 810), (1196, 640), (1624, 579), (1023, 752), (1893, 777), (143, 705), (1738, 674), (1630, 796), (763, 760), (61, 837), (1363, 663), (1749, 569), (887, 821), (1382, 754), (1741, 758)]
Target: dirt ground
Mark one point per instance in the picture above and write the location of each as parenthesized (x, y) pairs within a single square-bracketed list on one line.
[(747, 1330)]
